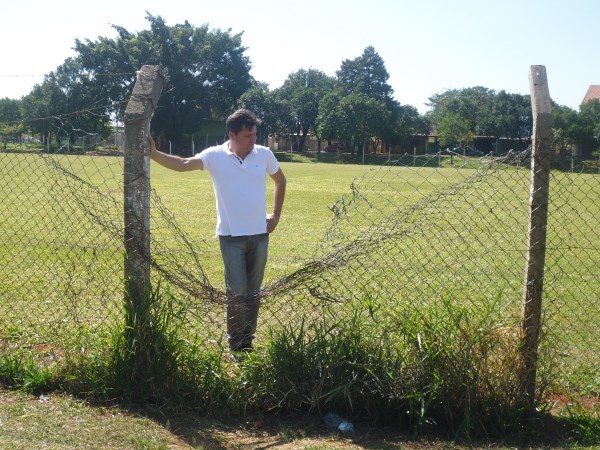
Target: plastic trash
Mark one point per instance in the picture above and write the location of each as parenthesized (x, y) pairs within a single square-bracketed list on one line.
[(333, 420), (346, 427)]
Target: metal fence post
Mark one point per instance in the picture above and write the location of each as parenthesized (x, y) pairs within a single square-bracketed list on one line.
[(138, 114), (536, 246)]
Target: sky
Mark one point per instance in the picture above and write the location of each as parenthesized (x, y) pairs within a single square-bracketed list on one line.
[(427, 46)]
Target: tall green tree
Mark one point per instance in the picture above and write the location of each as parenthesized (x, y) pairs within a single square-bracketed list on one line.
[(11, 124), (588, 130), (454, 129), (474, 105), (303, 91), (207, 72), (365, 75), (362, 118), (512, 116), (329, 117), (484, 112), (565, 129), (40, 106), (406, 122), (275, 113), (10, 110), (368, 76), (69, 110)]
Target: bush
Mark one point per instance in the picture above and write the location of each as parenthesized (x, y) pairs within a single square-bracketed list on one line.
[(442, 366)]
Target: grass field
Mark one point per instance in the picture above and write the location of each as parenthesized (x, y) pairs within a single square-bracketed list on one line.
[(460, 235), (49, 239)]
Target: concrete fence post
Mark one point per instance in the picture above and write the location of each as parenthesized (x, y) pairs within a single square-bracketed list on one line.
[(536, 245), (138, 115)]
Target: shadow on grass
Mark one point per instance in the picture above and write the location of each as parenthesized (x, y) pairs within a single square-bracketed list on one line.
[(304, 430), (183, 427)]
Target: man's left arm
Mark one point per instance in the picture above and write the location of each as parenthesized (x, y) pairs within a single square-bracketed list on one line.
[(279, 195)]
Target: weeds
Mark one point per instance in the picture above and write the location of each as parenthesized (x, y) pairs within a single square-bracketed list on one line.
[(444, 366), (585, 427), (22, 371), (471, 360), (150, 360)]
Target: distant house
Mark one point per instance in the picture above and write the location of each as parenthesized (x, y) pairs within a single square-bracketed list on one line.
[(592, 93)]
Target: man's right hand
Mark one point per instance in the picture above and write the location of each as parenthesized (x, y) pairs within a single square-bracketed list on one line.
[(152, 145)]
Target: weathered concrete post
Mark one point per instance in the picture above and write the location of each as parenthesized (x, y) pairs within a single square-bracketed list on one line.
[(138, 114), (538, 218)]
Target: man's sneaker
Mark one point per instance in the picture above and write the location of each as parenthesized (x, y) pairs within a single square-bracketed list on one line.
[(240, 355), (236, 357)]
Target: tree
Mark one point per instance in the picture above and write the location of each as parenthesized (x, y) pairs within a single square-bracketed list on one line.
[(365, 75), (44, 101), (453, 129), (10, 110), (406, 122), (588, 131), (329, 118), (274, 113), (576, 133), (11, 125), (512, 116), (352, 119), (207, 72), (70, 109), (363, 87), (362, 118), (303, 90), (474, 105), (484, 112), (564, 129)]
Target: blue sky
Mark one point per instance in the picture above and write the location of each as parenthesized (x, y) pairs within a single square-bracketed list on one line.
[(428, 46)]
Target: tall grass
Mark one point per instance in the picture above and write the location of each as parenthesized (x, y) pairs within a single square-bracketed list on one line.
[(444, 366)]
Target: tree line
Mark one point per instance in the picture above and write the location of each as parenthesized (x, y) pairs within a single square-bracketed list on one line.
[(208, 76)]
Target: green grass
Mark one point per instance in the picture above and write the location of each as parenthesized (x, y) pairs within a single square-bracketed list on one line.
[(60, 422), (312, 188), (355, 335)]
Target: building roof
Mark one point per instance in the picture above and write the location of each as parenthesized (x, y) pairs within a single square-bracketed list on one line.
[(593, 92)]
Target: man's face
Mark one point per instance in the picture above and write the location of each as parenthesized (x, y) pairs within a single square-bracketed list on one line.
[(244, 140)]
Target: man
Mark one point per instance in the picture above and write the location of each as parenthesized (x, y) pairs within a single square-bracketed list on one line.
[(238, 169)]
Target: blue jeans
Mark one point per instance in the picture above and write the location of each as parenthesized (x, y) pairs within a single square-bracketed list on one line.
[(244, 260)]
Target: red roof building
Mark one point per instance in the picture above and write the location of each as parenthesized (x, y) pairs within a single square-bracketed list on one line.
[(593, 92)]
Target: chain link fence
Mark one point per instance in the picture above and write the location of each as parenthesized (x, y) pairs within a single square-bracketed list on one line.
[(412, 233)]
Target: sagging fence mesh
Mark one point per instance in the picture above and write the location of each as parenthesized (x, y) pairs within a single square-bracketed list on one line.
[(436, 232)]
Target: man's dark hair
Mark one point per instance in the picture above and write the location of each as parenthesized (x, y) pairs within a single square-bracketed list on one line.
[(240, 120)]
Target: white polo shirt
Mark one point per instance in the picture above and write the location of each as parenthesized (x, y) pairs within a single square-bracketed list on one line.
[(240, 188)]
